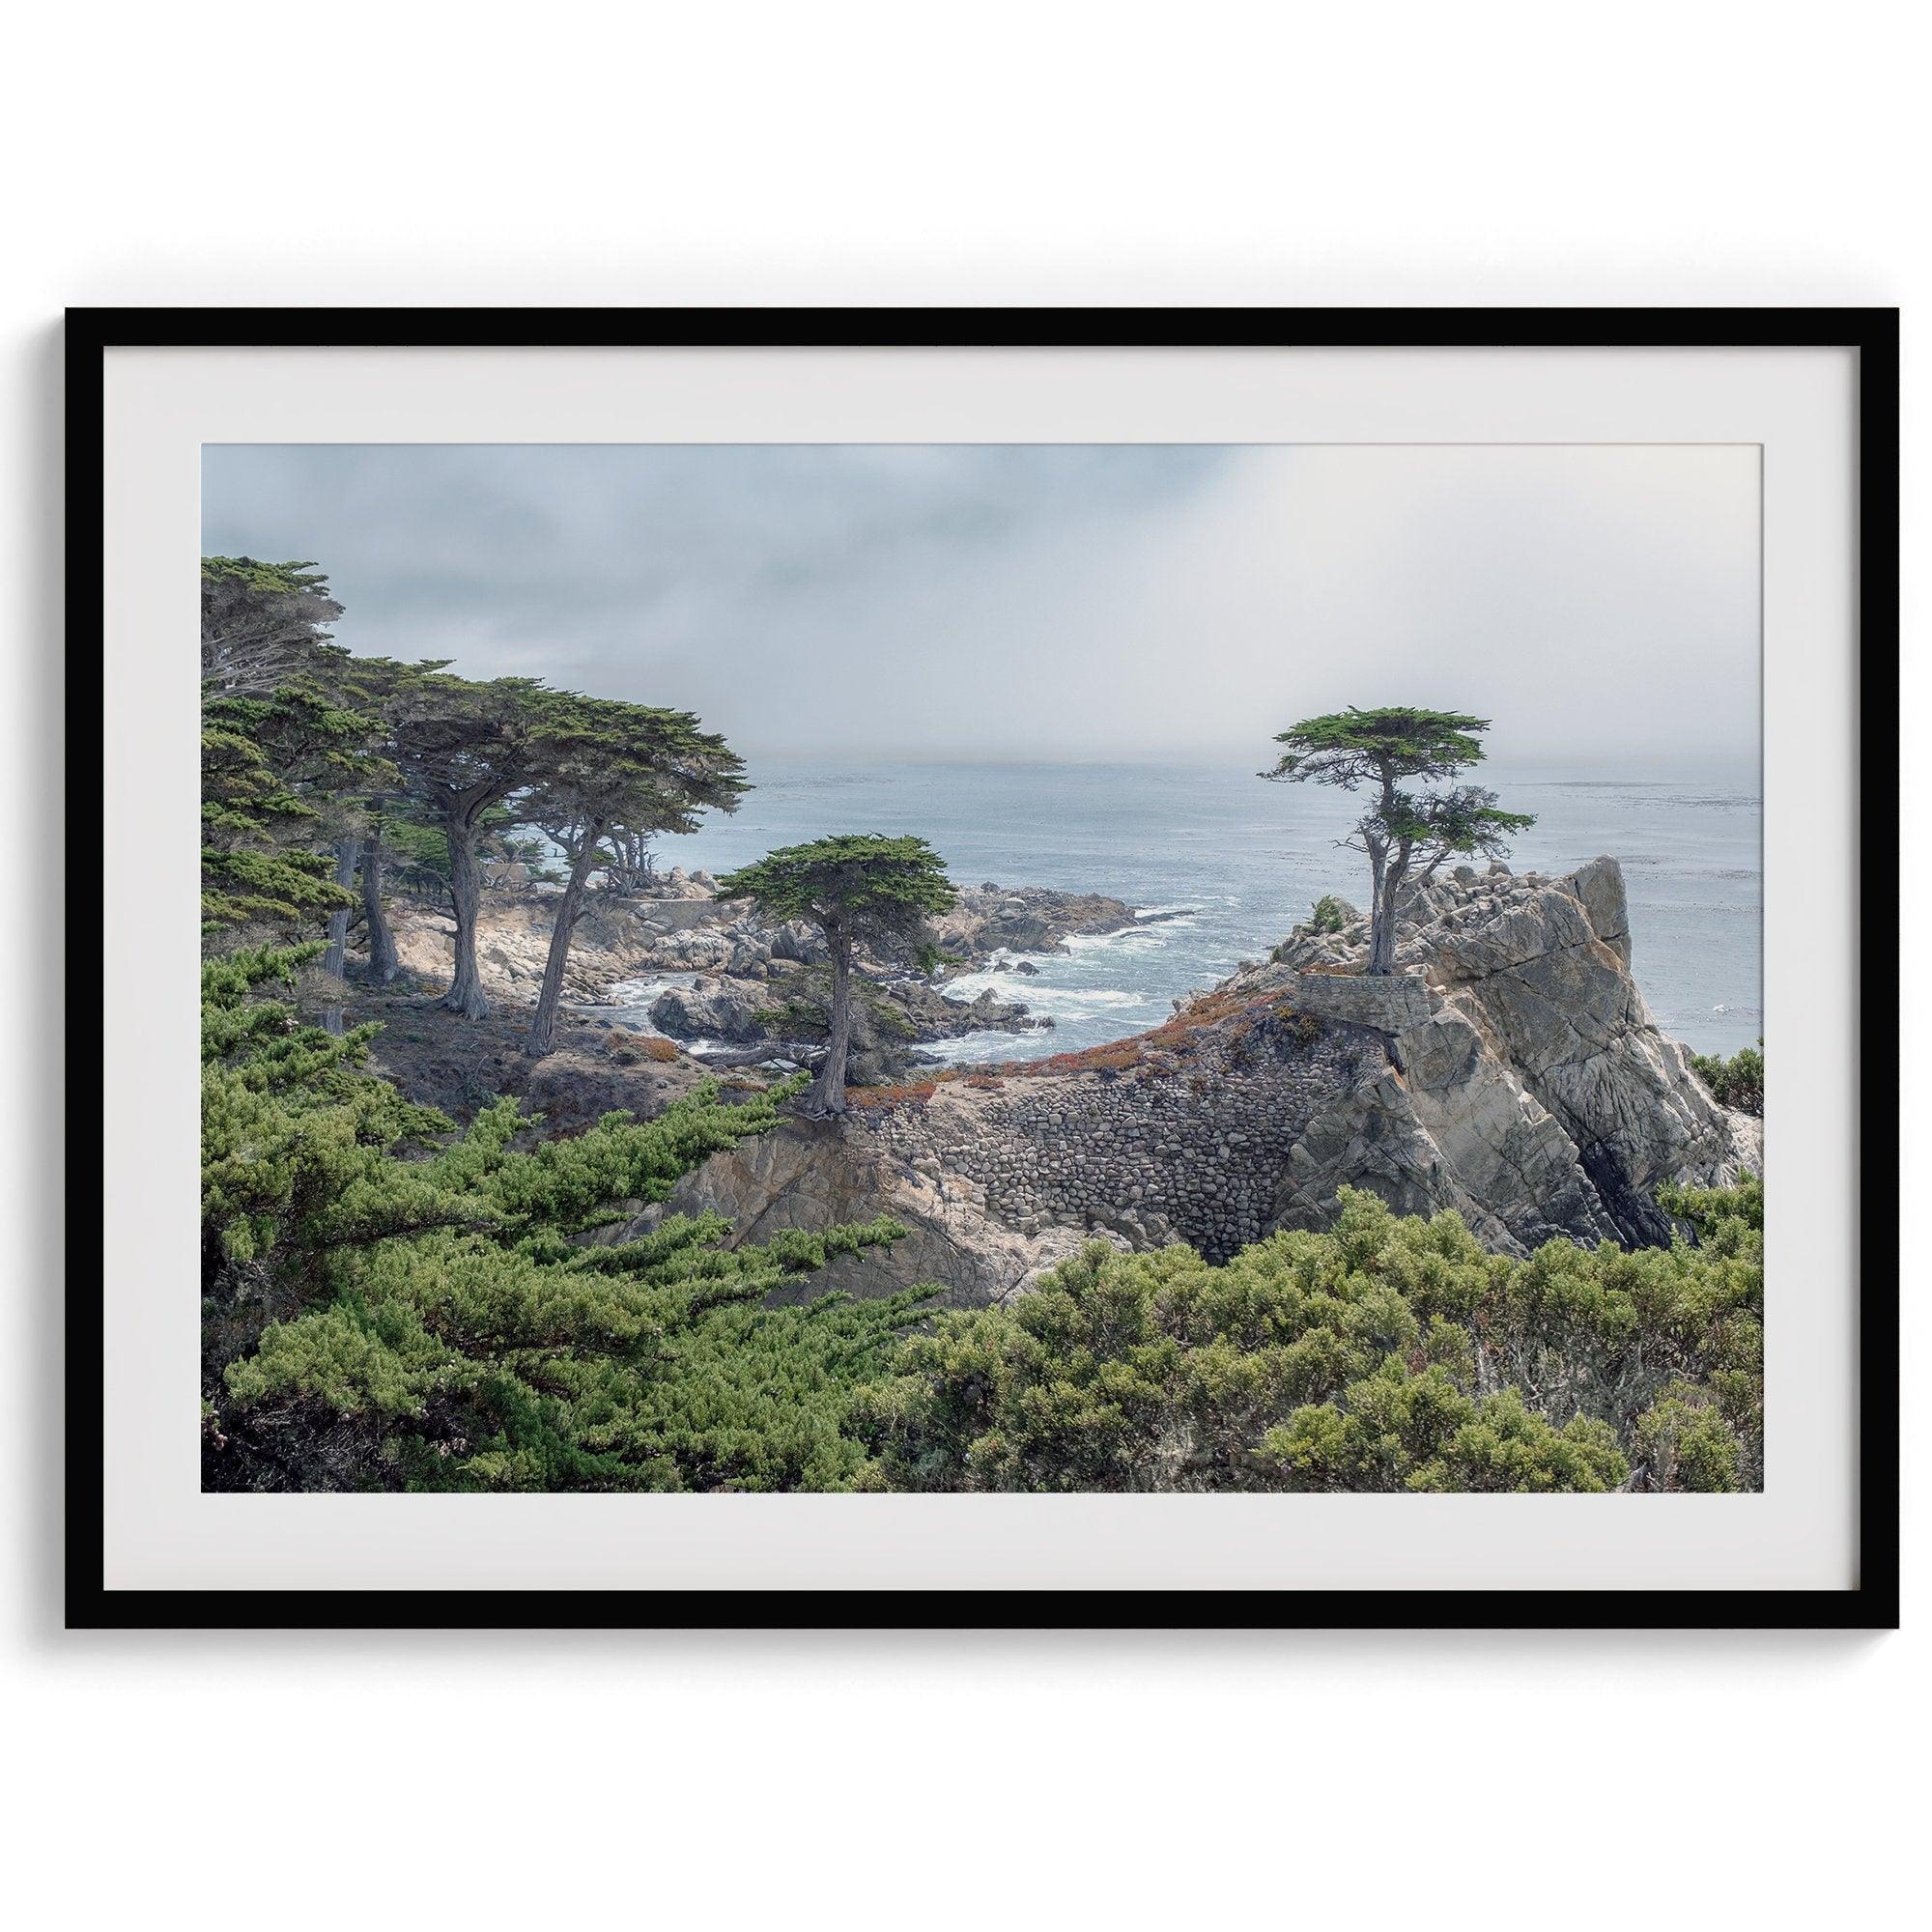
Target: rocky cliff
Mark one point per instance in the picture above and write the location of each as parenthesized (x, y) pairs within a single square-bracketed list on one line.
[(1537, 1064), (1510, 1070)]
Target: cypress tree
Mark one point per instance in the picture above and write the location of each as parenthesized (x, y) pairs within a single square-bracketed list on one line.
[(605, 765), (462, 749), (861, 889), (1402, 831)]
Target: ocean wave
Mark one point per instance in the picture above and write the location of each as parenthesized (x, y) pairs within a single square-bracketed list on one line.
[(1041, 996), (642, 992), (972, 1048), (1131, 938)]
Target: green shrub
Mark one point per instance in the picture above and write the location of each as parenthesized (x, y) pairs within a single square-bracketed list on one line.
[(1737, 1082), (1387, 1353), (1685, 1443), (393, 1305)]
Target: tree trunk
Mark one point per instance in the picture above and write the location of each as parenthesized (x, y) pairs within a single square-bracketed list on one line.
[(568, 912), (828, 1090), (384, 962), (1382, 930), (1387, 871), (336, 956), (1378, 870), (465, 987)]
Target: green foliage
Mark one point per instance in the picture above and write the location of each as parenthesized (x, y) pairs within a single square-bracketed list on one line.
[(462, 746), (269, 767), (1463, 820), (805, 1015), (931, 958), (1386, 1354), (795, 1019), (262, 624), (414, 1308), (875, 888), (595, 764), (259, 867), (857, 889), (1737, 1082), (292, 737), (1348, 748), (1686, 1442), (1330, 914)]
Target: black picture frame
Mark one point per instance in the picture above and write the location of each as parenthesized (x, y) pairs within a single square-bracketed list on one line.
[(1872, 1603)]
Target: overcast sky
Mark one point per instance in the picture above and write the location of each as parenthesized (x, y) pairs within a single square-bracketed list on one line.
[(1126, 602)]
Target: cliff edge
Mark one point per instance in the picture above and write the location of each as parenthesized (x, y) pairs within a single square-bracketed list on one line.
[(1509, 1069)]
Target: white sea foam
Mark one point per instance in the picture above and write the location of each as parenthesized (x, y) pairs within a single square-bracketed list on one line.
[(992, 1044), (1041, 996), (630, 1002), (1132, 938)]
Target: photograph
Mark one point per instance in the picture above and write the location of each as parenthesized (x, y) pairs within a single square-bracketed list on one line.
[(937, 967), (995, 909)]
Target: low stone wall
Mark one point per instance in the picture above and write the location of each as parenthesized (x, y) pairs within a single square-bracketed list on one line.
[(1391, 1003), (1201, 1151)]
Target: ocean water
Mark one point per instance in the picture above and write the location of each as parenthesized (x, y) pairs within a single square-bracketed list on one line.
[(1237, 862)]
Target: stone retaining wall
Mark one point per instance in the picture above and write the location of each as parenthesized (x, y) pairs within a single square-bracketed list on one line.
[(1200, 1150)]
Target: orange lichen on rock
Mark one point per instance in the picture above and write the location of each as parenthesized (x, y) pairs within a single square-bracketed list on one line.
[(892, 1096)]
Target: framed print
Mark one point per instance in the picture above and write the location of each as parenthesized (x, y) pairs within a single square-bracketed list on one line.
[(888, 967)]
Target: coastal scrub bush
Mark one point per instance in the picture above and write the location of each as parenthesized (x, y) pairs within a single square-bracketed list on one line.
[(794, 1019), (1331, 915), (390, 1304), (931, 959), (1386, 1354), (1737, 1082), (1304, 1029)]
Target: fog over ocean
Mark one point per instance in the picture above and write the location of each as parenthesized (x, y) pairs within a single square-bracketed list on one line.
[(1239, 862), (853, 605)]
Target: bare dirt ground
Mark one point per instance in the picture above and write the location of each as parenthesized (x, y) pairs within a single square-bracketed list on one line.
[(440, 1059)]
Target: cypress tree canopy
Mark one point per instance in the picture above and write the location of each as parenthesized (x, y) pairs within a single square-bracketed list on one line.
[(1348, 748), (876, 887)]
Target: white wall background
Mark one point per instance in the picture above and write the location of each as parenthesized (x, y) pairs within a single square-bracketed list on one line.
[(1119, 152)]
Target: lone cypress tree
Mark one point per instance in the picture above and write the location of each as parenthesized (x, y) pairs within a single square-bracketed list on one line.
[(1402, 832), (605, 764), (858, 889)]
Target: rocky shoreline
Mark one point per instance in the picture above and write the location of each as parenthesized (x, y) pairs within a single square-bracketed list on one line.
[(757, 991), (1510, 1070), (1507, 1069)]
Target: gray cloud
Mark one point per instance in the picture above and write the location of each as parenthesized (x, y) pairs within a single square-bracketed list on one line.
[(1117, 601)]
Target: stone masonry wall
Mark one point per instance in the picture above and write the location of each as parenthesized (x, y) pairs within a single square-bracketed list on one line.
[(1192, 1151)]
